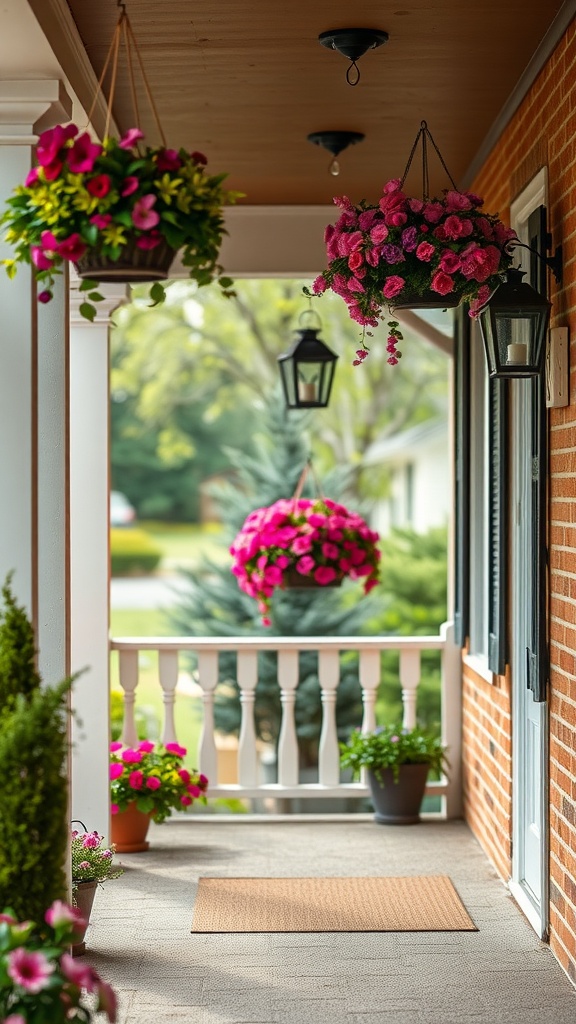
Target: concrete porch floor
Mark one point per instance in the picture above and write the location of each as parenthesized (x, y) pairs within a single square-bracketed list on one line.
[(139, 938)]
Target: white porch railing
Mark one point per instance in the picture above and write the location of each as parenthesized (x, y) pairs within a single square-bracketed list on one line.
[(369, 650)]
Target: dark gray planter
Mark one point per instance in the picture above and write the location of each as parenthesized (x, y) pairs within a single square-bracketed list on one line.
[(398, 803)]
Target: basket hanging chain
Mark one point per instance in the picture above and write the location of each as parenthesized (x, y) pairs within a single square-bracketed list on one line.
[(123, 33), (423, 135), (308, 468)]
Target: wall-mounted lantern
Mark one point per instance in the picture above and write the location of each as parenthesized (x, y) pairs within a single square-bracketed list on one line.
[(514, 323)]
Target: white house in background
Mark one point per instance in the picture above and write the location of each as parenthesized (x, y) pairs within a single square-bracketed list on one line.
[(420, 484)]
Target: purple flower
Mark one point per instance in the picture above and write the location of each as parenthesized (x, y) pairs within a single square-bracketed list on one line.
[(410, 239), (393, 254)]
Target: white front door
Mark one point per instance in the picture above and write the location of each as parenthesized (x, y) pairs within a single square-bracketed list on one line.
[(530, 880)]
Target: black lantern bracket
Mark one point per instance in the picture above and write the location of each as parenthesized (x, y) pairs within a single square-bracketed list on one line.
[(353, 43), (554, 263)]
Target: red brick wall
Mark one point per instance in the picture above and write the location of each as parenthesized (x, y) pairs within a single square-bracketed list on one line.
[(542, 132)]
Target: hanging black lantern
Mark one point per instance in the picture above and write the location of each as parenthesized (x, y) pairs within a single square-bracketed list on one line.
[(307, 371), (514, 323)]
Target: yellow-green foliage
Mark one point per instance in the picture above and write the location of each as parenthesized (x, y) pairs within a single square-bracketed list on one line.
[(133, 552)]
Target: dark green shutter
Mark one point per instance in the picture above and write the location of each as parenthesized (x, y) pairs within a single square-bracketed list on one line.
[(497, 524), (537, 651), (462, 475)]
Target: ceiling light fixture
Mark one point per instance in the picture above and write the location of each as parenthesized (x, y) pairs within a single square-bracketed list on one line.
[(353, 43), (335, 142)]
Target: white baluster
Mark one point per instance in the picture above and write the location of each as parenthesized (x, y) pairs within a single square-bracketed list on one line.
[(168, 673), (208, 678), (128, 674), (369, 681), (287, 741), (329, 755), (452, 718), (247, 753), (409, 679)]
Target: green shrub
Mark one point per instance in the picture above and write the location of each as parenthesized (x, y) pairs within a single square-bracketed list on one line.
[(133, 552), (18, 673)]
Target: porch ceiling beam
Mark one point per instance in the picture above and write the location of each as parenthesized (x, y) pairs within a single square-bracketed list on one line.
[(425, 330), (548, 44), (58, 26)]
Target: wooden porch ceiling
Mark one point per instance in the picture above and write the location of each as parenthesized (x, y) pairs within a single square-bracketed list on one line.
[(247, 82)]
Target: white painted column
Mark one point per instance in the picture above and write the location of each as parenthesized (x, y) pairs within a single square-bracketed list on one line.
[(26, 502), (89, 557)]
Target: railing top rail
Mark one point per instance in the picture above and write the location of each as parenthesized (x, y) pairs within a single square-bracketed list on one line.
[(278, 643)]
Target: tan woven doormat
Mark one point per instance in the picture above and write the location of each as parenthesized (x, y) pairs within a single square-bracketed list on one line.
[(419, 904)]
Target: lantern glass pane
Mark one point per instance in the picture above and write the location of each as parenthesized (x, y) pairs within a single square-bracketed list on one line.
[(518, 336), (309, 375)]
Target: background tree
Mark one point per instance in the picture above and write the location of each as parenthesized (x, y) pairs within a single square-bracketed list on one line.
[(215, 606), (219, 358)]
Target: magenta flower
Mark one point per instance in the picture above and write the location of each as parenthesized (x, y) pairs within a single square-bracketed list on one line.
[(143, 216), (425, 251), (168, 160), (45, 296), (83, 155), (149, 241), (101, 220), (39, 258), (92, 840), (442, 283), (84, 864), (319, 285), (107, 1002), (393, 286), (99, 186), (78, 973), (302, 544), (129, 185), (186, 800), (116, 745), (203, 779), (146, 746), (153, 782), (130, 756), (51, 142), (31, 971), (194, 790), (114, 809), (14, 1018), (136, 779), (130, 137), (305, 565), (175, 748), (31, 177), (330, 551), (72, 248), (62, 913), (198, 158)]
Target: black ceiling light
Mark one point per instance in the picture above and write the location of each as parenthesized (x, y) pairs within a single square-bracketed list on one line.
[(353, 43), (514, 323), (335, 142), (307, 369)]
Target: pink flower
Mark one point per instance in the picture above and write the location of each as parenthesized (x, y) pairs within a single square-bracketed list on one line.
[(324, 574), (203, 780), (153, 782), (366, 219), (78, 973), (14, 1018), (175, 748), (432, 212), (379, 233), (450, 262), (130, 137), (39, 258), (396, 219), (72, 248), (355, 260), (302, 544), (99, 186), (266, 621), (456, 227), (146, 746), (143, 216), (425, 252), (168, 160), (7, 919), (101, 220), (283, 561), (61, 913), (442, 283), (416, 205), (31, 177), (130, 756), (393, 286), (194, 790), (186, 800), (84, 864), (136, 779), (319, 285), (330, 551), (129, 185), (91, 841), (185, 776), (457, 201), (51, 142), (114, 809), (83, 155), (369, 585), (116, 770), (107, 1002), (198, 158), (45, 296), (115, 745), (394, 185), (149, 241), (29, 970), (305, 565)]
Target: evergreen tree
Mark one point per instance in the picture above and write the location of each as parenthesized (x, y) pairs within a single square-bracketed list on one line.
[(215, 606), (34, 832)]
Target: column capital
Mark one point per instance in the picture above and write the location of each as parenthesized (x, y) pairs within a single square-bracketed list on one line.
[(114, 295), (30, 106)]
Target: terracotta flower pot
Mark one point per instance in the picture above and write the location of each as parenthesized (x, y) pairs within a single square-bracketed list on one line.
[(398, 803), (84, 897), (129, 830), (134, 264)]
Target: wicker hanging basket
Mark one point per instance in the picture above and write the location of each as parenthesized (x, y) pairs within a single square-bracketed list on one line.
[(134, 264)]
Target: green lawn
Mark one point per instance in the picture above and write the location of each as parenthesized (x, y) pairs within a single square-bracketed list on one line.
[(184, 544)]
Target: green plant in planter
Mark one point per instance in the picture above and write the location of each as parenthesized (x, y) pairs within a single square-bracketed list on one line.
[(391, 746), (34, 791), (91, 860)]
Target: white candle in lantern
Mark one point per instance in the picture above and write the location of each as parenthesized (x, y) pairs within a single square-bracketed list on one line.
[(307, 391), (518, 353)]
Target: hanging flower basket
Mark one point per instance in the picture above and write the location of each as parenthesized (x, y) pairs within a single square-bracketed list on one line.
[(117, 210), (302, 542), (410, 253)]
